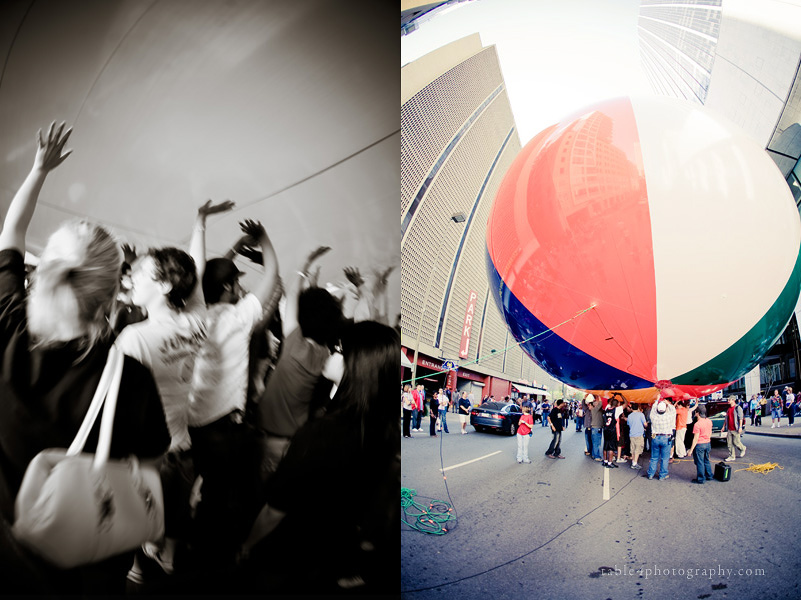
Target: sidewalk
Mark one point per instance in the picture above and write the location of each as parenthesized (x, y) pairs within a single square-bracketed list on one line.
[(783, 431)]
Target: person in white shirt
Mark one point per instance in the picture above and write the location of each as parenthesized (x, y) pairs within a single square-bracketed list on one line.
[(164, 283), (225, 451)]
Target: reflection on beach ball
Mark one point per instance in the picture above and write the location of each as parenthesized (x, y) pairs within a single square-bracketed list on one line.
[(666, 221)]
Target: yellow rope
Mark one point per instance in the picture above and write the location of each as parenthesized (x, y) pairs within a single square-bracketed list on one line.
[(763, 468)]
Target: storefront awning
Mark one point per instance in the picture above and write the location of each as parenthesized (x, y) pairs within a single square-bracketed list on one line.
[(524, 389), (405, 362)]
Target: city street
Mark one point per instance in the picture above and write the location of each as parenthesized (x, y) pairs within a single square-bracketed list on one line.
[(544, 530)]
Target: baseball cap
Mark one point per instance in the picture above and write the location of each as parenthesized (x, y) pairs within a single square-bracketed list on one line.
[(661, 407), (589, 398), (219, 272)]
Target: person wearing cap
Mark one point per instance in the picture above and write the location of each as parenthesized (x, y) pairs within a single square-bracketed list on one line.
[(733, 426), (789, 403), (701, 445), (225, 456), (663, 421)]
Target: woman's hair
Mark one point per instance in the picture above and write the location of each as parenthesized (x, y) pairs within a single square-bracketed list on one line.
[(176, 267), (407, 387), (76, 282), (372, 369)]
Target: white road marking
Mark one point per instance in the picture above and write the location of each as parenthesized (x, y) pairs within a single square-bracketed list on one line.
[(606, 484), (470, 461)]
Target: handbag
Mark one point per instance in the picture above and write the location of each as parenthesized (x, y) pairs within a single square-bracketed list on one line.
[(76, 508)]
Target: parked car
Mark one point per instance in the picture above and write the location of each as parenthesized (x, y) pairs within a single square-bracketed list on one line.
[(497, 416), (716, 411)]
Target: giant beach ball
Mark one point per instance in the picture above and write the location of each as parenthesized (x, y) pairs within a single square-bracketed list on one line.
[(645, 244)]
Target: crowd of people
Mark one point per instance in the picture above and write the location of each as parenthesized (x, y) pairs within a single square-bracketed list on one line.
[(253, 405), (616, 431)]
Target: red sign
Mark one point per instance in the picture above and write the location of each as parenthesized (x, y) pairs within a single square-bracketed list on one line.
[(468, 324)]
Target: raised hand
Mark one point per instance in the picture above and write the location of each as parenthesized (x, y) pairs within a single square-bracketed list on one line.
[(128, 253), (381, 280), (253, 229), (251, 253), (353, 276), (209, 208), (314, 277), (317, 253), (48, 150)]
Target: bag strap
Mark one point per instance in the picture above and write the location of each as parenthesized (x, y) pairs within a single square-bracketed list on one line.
[(114, 363), (107, 421)]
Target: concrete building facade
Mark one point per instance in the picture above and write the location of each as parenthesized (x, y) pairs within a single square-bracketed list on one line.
[(458, 138), (750, 54)]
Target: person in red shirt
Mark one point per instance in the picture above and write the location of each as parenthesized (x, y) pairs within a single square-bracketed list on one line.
[(524, 430), (419, 396)]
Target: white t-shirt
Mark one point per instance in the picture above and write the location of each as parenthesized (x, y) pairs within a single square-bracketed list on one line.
[(168, 346), (220, 381)]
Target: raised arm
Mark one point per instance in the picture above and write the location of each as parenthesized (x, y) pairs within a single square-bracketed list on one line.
[(266, 286), (197, 245), (297, 283), (380, 296), (20, 212)]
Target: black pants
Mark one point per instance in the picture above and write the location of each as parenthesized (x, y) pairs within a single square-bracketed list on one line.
[(432, 426), (227, 454), (554, 448), (407, 421)]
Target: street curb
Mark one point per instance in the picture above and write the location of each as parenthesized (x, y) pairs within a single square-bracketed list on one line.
[(776, 435)]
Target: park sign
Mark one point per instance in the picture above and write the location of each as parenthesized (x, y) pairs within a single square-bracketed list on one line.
[(467, 325)]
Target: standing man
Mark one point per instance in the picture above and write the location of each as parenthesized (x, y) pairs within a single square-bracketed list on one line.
[(433, 412), (586, 409), (464, 411), (775, 409), (443, 411), (663, 420), (733, 426), (610, 434), (636, 422), (419, 396), (753, 407), (789, 403), (702, 433), (546, 411), (597, 423), (224, 455), (682, 416), (556, 420)]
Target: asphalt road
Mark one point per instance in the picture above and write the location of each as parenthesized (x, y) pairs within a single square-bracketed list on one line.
[(543, 530)]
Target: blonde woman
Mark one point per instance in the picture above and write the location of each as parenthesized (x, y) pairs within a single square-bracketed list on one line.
[(54, 345)]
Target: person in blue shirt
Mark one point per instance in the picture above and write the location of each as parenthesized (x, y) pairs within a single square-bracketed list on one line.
[(636, 423), (546, 410)]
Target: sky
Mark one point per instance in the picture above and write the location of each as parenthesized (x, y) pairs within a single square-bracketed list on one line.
[(556, 57)]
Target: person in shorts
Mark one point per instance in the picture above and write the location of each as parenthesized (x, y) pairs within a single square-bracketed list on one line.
[(636, 423), (464, 411), (610, 435)]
